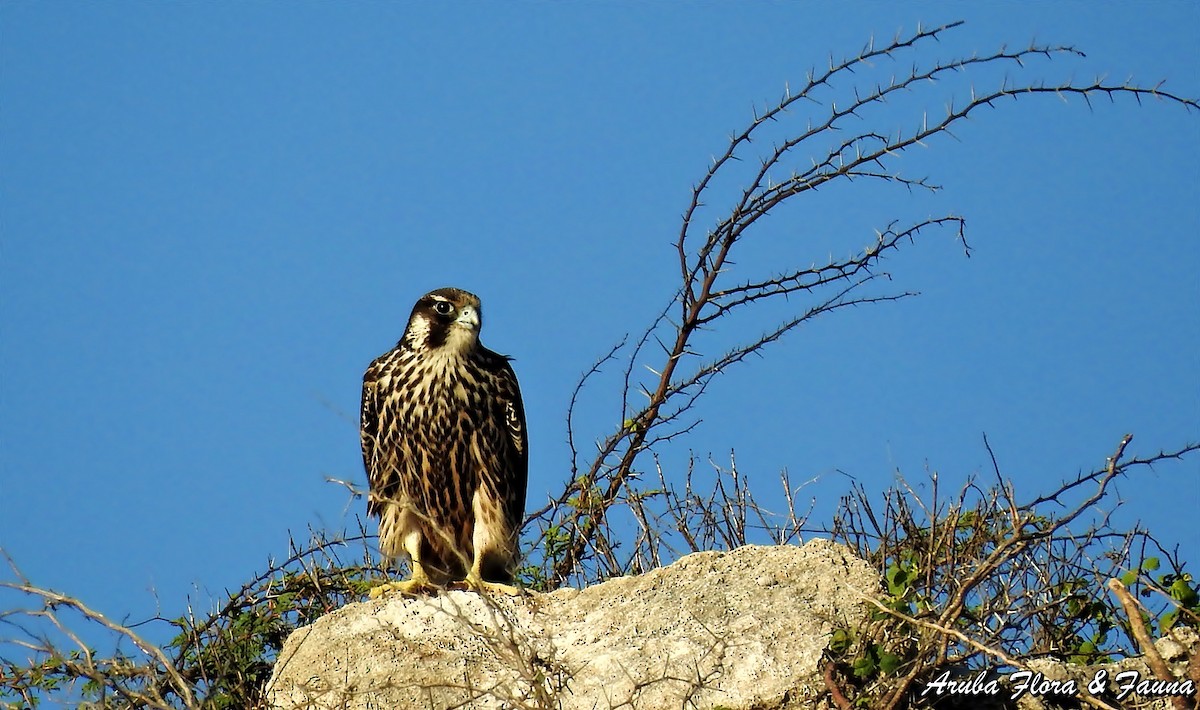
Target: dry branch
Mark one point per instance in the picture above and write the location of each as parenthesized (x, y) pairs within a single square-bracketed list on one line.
[(837, 144)]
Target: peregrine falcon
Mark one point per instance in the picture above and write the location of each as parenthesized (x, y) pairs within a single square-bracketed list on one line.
[(446, 450)]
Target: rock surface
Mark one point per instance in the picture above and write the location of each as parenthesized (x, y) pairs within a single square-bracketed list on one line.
[(739, 629)]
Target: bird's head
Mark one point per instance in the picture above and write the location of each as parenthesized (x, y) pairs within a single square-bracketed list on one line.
[(445, 318)]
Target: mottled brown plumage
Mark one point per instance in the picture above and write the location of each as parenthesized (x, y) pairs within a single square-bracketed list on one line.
[(445, 447)]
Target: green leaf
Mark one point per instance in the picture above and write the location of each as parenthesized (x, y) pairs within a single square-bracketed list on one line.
[(840, 642), (864, 667)]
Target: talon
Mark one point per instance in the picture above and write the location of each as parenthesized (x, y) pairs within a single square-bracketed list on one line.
[(410, 587)]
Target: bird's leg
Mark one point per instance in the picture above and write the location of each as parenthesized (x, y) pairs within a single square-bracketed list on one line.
[(476, 583), (418, 583)]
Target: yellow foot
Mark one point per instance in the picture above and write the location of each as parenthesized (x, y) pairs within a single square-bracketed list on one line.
[(478, 585), (410, 587)]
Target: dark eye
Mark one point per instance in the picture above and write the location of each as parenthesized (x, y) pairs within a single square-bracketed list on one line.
[(442, 308)]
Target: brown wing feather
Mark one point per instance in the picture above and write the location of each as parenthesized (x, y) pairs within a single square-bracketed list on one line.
[(380, 487), (515, 455)]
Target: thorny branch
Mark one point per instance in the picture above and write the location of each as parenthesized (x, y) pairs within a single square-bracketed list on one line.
[(221, 659), (709, 296), (989, 575), (82, 663)]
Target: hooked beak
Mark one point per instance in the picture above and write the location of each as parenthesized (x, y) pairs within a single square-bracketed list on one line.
[(468, 317)]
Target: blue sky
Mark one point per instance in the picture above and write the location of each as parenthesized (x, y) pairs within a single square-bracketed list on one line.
[(215, 215)]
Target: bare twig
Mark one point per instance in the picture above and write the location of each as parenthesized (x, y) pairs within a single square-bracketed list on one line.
[(841, 145)]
